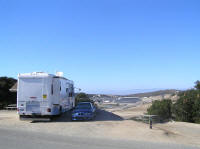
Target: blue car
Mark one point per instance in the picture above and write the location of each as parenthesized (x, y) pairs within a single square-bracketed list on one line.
[(84, 111)]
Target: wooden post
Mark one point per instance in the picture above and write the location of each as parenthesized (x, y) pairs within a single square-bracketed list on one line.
[(150, 122)]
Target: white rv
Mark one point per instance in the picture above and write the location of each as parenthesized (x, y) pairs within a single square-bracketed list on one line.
[(43, 94)]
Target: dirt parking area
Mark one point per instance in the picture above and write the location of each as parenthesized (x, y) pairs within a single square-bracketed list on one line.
[(112, 125)]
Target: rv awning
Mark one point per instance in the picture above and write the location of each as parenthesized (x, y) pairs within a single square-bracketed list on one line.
[(13, 88)]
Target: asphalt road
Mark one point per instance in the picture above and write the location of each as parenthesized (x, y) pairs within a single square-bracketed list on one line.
[(31, 140)]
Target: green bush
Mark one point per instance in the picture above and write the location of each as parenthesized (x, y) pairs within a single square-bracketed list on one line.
[(187, 107), (82, 97), (161, 108)]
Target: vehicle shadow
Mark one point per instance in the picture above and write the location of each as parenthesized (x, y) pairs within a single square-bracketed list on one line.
[(102, 115)]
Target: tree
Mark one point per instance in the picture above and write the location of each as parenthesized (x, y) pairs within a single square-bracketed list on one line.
[(197, 85), (7, 97), (82, 97)]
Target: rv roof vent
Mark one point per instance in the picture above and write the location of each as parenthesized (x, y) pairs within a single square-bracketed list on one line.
[(59, 74)]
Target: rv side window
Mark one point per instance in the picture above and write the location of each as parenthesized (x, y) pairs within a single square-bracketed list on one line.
[(52, 89), (66, 90)]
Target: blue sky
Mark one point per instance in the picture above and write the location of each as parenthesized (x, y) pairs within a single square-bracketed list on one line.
[(105, 46)]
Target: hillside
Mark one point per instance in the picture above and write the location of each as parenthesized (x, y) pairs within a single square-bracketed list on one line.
[(140, 95), (155, 93)]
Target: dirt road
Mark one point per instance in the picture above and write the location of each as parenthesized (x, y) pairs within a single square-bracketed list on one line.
[(108, 125), (21, 139)]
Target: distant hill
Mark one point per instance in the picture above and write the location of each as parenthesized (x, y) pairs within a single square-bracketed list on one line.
[(140, 95), (155, 93)]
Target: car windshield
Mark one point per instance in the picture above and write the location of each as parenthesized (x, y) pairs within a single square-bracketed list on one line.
[(83, 106)]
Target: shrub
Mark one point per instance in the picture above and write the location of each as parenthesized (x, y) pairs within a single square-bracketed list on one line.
[(161, 108), (82, 97), (187, 107)]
